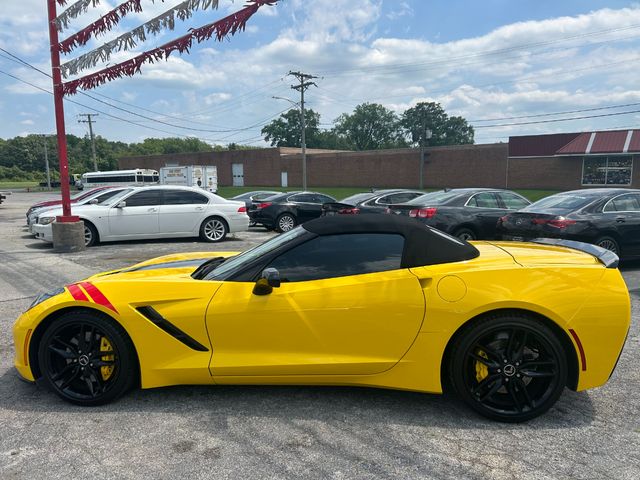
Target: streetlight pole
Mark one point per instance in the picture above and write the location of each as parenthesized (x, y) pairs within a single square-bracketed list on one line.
[(424, 138)]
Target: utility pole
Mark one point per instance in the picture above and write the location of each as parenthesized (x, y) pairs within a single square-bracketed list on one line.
[(305, 83), (46, 162), (93, 140), (424, 138)]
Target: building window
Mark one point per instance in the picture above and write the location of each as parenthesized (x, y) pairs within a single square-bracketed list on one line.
[(603, 170)]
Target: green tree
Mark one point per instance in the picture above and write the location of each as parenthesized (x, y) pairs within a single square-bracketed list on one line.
[(285, 130), (371, 126), (431, 116)]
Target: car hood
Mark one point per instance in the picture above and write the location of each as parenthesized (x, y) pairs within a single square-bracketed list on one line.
[(75, 210), (181, 264)]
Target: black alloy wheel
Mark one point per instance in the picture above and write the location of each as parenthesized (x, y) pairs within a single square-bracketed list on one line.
[(87, 359), (90, 234), (509, 368)]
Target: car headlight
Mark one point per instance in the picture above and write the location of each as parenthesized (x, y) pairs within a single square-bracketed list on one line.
[(46, 220), (45, 296)]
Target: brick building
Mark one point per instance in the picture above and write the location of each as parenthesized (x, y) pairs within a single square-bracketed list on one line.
[(555, 162)]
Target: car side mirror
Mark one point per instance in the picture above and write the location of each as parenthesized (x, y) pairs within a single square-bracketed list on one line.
[(269, 280), (121, 204), (93, 201)]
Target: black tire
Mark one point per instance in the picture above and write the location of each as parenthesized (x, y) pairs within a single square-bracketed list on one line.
[(214, 229), (465, 234), (286, 222), (73, 359), (508, 367), (91, 236), (609, 243)]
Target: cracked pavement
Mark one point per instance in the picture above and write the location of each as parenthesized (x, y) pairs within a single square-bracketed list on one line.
[(286, 432)]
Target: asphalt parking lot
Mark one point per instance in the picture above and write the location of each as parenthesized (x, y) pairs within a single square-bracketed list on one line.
[(286, 432)]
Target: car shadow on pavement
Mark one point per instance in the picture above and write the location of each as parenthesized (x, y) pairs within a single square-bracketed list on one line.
[(329, 405)]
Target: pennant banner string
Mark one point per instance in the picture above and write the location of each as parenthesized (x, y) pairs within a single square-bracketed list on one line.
[(128, 40), (81, 6), (220, 29)]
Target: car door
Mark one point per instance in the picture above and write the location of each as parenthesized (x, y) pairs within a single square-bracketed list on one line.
[(307, 207), (622, 214), (139, 216), (485, 210), (182, 211), (344, 307)]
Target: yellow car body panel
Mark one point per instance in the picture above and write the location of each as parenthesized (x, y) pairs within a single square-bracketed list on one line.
[(388, 329)]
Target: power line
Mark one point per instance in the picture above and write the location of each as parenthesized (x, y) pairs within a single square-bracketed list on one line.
[(556, 120), (608, 107)]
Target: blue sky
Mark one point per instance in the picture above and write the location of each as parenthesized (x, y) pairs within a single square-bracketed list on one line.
[(505, 65)]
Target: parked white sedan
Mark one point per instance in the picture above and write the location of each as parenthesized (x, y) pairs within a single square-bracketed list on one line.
[(140, 213)]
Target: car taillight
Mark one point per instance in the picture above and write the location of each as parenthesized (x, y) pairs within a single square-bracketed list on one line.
[(242, 209), (349, 211), (559, 222), (264, 205), (422, 212)]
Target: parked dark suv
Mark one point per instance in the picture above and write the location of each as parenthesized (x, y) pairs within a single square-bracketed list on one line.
[(283, 212)]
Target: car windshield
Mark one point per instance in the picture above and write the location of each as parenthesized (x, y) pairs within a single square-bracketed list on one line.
[(357, 198), (116, 198), (560, 203), (255, 252), (434, 198), (85, 194)]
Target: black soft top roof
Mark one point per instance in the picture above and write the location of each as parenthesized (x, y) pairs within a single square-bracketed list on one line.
[(423, 245)]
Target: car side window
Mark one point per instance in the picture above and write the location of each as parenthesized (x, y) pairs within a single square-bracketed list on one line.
[(384, 200), (331, 256), (624, 203), (483, 200), (143, 199), (183, 197), (403, 197), (106, 195), (303, 198), (324, 199), (512, 201)]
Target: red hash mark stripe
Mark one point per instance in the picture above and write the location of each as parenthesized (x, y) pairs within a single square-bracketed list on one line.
[(583, 357), (97, 296), (77, 293)]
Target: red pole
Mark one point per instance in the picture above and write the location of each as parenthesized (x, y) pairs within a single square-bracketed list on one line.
[(59, 109)]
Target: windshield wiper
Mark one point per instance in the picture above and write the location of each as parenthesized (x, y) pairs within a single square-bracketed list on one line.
[(204, 269)]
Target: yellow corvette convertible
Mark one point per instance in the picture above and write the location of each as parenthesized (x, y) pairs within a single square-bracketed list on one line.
[(369, 300)]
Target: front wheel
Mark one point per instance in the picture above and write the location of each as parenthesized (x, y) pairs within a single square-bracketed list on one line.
[(90, 234), (87, 359), (286, 222), (213, 230), (509, 368)]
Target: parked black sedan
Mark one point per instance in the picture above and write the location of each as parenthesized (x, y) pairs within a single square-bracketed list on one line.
[(370, 202), (251, 199), (607, 217), (285, 211), (467, 213)]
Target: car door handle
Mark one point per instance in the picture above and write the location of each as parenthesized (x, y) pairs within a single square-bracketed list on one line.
[(199, 209), (621, 219), (152, 209)]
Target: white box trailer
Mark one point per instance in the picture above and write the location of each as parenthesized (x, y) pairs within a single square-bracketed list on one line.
[(191, 176)]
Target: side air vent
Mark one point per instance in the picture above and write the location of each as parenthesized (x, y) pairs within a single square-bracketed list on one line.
[(154, 317)]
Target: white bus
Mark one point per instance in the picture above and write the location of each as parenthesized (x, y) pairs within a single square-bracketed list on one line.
[(135, 177)]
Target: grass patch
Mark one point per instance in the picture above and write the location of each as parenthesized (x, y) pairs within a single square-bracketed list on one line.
[(14, 185)]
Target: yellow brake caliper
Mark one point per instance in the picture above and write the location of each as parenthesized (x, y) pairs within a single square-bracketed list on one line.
[(105, 346), (482, 371)]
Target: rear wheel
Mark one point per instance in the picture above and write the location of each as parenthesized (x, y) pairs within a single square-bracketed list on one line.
[(286, 222), (90, 234), (213, 230), (608, 243), (465, 234), (510, 368), (87, 359)]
